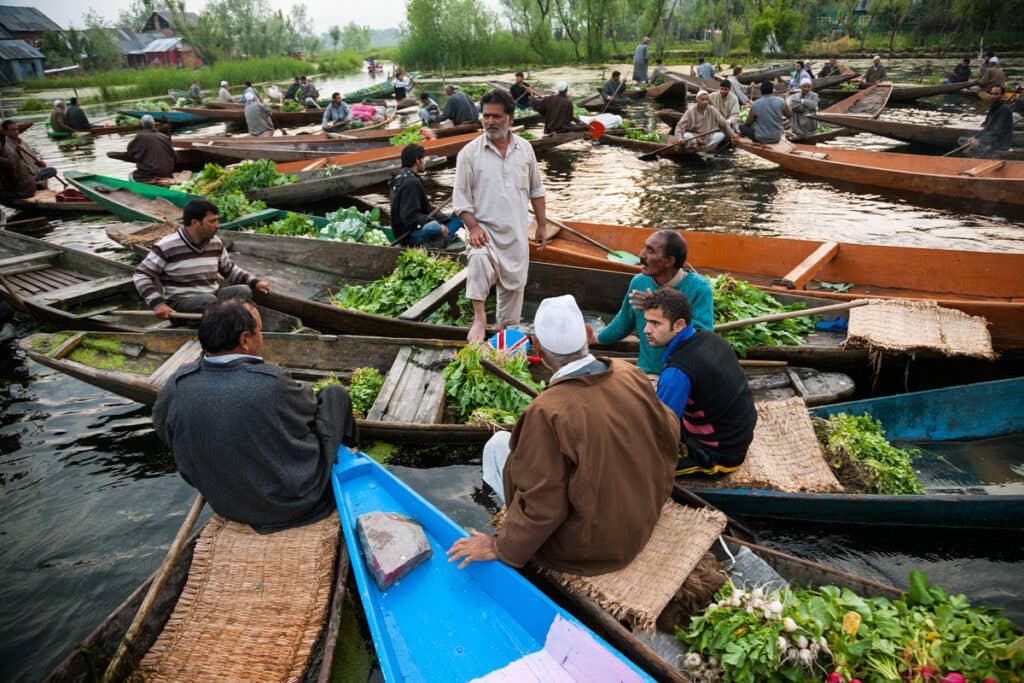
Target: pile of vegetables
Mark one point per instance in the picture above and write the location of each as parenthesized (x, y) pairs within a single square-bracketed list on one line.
[(636, 134), (832, 634), (863, 459), (291, 105), (479, 396), (249, 175), (146, 105), (407, 136), (234, 205), (292, 225), (363, 389), (738, 300), (527, 135), (579, 111), (415, 275), (352, 225)]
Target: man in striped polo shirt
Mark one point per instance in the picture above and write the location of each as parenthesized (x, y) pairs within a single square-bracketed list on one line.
[(187, 264)]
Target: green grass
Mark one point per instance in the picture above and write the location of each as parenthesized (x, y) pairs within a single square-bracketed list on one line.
[(338, 62), (499, 50)]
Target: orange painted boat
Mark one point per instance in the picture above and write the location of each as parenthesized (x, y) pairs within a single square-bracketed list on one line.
[(995, 185), (988, 284), (442, 147)]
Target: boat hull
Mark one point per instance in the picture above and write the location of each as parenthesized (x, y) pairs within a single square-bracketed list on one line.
[(932, 136), (180, 118)]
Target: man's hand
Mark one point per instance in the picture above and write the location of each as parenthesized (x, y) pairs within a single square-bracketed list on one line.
[(541, 236), (974, 143), (263, 287), (478, 236), (444, 230), (163, 311), (591, 337), (637, 298), (476, 548)]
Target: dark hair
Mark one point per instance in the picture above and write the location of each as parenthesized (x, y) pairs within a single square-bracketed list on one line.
[(737, 70), (700, 60), (424, 96), (8, 123), (411, 154), (298, 78), (672, 303), (196, 210), (335, 94), (74, 101), (248, 84), (673, 245), (519, 73), (967, 60), (800, 62), (767, 88), (223, 323), (616, 73), (657, 61), (499, 97), (724, 84)]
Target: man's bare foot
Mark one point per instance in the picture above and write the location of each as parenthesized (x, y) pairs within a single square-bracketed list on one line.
[(477, 332)]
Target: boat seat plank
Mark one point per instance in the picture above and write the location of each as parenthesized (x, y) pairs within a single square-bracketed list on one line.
[(68, 346), (26, 286), (87, 289), (102, 310), (189, 352), (31, 268), (44, 280), (25, 258), (71, 275), (432, 301), (414, 388), (808, 268), (982, 169), (288, 278)]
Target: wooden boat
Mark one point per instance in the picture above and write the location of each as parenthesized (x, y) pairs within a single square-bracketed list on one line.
[(439, 623), (866, 103), (669, 91), (551, 140), (994, 185), (186, 143), (934, 136), (595, 103), (183, 158), (962, 492), (48, 200), (281, 119), (768, 74), (383, 134), (845, 74), (296, 151), (693, 83), (79, 666), (24, 125), (908, 93), (680, 154), (980, 283), (179, 118)]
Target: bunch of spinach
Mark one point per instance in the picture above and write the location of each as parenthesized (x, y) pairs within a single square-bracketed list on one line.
[(863, 459), (637, 134), (249, 175), (471, 388), (234, 205), (415, 275), (739, 300), (363, 389), (407, 136), (292, 225)]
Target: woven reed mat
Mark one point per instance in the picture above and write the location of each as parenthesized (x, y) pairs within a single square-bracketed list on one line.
[(918, 325), (637, 593), (784, 456), (253, 606), (148, 236)]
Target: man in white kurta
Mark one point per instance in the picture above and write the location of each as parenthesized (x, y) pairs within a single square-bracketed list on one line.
[(727, 105), (496, 179)]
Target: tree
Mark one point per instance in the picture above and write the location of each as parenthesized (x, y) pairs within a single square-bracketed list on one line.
[(137, 14), (335, 33), (355, 37), (57, 49), (101, 51), (896, 12)]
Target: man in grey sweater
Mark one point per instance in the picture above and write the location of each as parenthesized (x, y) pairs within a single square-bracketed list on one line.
[(256, 443), (459, 109)]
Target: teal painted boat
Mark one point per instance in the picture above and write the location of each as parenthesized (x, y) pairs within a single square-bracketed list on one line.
[(179, 118), (484, 622), (971, 464)]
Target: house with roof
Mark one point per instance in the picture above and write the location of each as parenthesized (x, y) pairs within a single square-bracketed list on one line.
[(170, 52), (168, 22), (19, 61), (25, 23)]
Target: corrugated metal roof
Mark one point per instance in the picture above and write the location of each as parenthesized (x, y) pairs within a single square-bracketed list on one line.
[(18, 49), (25, 19), (162, 45), (132, 43)]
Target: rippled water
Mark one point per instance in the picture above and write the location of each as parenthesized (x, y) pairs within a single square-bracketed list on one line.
[(88, 496)]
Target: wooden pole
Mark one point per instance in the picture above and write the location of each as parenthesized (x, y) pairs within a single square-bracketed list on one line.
[(180, 316), (127, 642), (791, 314)]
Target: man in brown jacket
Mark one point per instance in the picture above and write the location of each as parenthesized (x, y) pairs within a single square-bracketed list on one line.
[(152, 153), (591, 461)]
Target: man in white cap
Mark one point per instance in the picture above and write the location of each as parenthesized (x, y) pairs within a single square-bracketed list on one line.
[(588, 466), (702, 125), (59, 118), (641, 58), (874, 74), (557, 111), (257, 116), (152, 153), (803, 104), (224, 95), (993, 76)]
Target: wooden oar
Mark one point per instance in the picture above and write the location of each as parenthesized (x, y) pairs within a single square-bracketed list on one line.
[(150, 314), (958, 149), (614, 95), (685, 494), (846, 305), (613, 254), (128, 642), (654, 154), (429, 215)]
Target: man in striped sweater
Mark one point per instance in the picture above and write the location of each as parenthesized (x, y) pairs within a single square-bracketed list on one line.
[(187, 264)]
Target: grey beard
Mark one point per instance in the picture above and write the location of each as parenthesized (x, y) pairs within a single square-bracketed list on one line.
[(497, 134)]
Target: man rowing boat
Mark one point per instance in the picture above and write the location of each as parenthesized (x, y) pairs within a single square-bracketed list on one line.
[(588, 466), (697, 125), (997, 130), (557, 111)]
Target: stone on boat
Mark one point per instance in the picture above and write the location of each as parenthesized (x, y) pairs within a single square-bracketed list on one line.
[(393, 545)]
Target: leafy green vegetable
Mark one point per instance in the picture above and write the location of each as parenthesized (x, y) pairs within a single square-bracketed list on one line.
[(739, 300), (376, 237), (579, 111), (249, 175), (636, 134), (527, 136), (863, 459), (351, 225), (235, 205), (475, 92), (835, 286), (471, 388), (363, 389), (492, 416), (291, 105), (416, 274), (407, 136), (325, 382), (293, 225)]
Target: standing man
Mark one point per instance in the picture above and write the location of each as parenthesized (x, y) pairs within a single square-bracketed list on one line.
[(22, 171), (59, 118), (557, 111), (613, 90), (459, 109), (257, 116), (997, 130), (703, 384), (77, 119), (521, 92), (337, 114), (641, 58), (496, 178), (874, 74), (152, 153), (189, 264), (803, 104), (414, 221), (224, 95), (705, 70), (663, 260), (429, 111), (700, 122), (765, 121), (727, 105), (195, 93), (738, 89)]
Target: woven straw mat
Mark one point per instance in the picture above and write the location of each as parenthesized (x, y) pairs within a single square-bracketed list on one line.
[(638, 592), (784, 456), (148, 236), (918, 325), (253, 606)]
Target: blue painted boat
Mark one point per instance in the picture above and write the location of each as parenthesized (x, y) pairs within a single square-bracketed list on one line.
[(179, 118), (939, 422), (442, 624)]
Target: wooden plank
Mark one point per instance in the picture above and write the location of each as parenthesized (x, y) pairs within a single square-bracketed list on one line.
[(431, 407), (43, 281), (189, 352), (799, 276), (102, 310), (68, 346), (30, 287), (432, 301), (88, 289), (18, 270), (390, 382), (408, 393), (25, 258), (73, 275), (66, 276), (984, 168), (798, 384)]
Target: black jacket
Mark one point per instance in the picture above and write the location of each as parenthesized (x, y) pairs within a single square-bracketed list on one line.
[(409, 205), (77, 118), (997, 131)]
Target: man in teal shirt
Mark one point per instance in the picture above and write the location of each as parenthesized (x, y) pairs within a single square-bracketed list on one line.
[(663, 258)]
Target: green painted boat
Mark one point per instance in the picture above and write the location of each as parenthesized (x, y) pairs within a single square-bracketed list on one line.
[(374, 92), (62, 135)]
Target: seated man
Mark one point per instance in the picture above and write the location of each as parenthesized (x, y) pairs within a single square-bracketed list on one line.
[(705, 70), (588, 466), (152, 153), (249, 89), (258, 119), (459, 109), (659, 73), (738, 89), (614, 90), (804, 105), (256, 443), (308, 94), (429, 111), (76, 116), (832, 68), (521, 92), (997, 130), (765, 121), (702, 125), (874, 73), (662, 267), (224, 95), (22, 171), (292, 93), (799, 74), (337, 114), (727, 104), (195, 93), (703, 384), (557, 111), (188, 264), (961, 72), (411, 214), (993, 76), (59, 118)]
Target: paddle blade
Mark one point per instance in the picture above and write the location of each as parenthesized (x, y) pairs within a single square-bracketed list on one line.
[(624, 257), (596, 129)]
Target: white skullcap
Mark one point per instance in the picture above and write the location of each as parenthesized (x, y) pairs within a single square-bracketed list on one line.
[(249, 97), (147, 120), (561, 86), (57, 103), (805, 80), (993, 59), (702, 92), (223, 82), (559, 325), (875, 58)]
